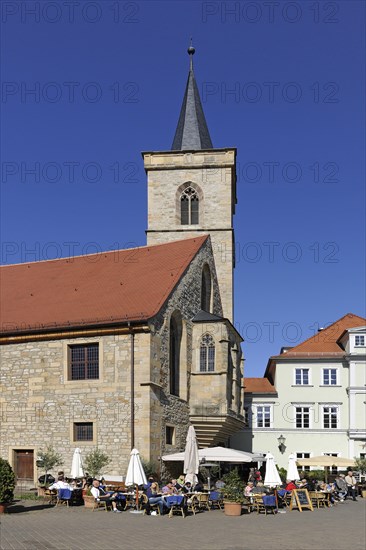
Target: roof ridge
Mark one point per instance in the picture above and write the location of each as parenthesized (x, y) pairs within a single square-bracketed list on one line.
[(322, 332), (203, 237)]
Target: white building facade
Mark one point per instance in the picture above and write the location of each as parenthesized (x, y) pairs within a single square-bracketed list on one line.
[(314, 395)]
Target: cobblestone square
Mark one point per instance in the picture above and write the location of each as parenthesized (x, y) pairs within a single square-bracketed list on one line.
[(30, 526)]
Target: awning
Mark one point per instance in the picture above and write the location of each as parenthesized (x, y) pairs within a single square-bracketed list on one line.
[(218, 454)]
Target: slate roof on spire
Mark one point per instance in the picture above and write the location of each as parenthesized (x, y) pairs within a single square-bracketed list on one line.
[(192, 132)]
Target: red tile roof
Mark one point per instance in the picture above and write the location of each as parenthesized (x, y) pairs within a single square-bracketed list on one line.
[(117, 286), (258, 385), (325, 341), (323, 344)]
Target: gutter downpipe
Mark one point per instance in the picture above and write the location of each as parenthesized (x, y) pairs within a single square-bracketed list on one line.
[(132, 383)]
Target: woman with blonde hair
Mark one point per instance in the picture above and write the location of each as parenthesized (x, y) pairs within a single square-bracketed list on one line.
[(154, 496)]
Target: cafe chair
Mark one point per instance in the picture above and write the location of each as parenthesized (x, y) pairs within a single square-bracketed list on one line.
[(215, 499), (176, 503), (63, 497), (155, 508), (101, 505), (258, 503), (203, 501), (50, 497), (192, 504), (270, 503)]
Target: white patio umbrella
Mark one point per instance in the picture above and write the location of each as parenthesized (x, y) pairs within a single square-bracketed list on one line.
[(77, 470), (135, 473), (292, 472), (191, 459), (272, 477)]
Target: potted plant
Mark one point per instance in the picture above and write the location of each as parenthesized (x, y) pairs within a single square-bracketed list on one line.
[(88, 498), (7, 484), (233, 493), (47, 460)]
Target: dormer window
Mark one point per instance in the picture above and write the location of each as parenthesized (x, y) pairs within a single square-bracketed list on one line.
[(359, 340), (189, 207)]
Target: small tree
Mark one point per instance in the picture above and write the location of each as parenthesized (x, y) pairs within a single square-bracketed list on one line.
[(360, 465), (234, 487), (95, 461), (47, 460), (7, 482)]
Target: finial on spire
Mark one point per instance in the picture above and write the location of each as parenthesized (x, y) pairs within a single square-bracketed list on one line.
[(191, 51)]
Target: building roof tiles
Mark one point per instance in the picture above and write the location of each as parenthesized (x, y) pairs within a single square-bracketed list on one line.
[(111, 287)]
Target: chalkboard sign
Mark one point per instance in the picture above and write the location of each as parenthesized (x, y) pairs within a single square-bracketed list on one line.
[(300, 499)]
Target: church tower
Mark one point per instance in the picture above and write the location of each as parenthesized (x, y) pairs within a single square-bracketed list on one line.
[(192, 189)]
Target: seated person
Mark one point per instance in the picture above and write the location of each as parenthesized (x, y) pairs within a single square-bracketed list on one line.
[(60, 484), (198, 488), (304, 484), (341, 487), (169, 489), (328, 488), (150, 481), (176, 485), (249, 488), (154, 496), (181, 480), (100, 495), (219, 484), (290, 485), (259, 489), (187, 487)]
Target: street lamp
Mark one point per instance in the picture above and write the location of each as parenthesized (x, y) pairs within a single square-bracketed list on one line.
[(281, 443)]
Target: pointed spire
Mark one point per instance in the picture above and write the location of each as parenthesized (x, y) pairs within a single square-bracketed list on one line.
[(192, 132)]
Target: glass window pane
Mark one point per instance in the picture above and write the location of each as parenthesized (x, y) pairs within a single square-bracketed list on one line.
[(184, 211)]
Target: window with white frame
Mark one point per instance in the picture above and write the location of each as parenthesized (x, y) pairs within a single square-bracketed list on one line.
[(303, 455), (330, 377), (302, 377), (263, 416), (330, 417), (302, 417), (359, 340)]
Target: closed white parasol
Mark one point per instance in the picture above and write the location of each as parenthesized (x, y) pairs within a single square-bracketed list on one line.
[(191, 459)]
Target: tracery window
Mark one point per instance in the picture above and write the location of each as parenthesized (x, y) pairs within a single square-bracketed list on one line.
[(189, 207), (207, 354)]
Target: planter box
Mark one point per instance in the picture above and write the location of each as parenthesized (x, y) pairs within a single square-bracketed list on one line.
[(88, 501), (232, 508), (3, 506), (41, 491)]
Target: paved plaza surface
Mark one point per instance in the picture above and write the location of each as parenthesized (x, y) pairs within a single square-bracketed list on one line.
[(30, 526)]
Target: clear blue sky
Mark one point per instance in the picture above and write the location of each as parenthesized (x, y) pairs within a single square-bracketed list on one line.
[(282, 83)]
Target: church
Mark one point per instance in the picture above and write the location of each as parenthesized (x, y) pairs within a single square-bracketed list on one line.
[(129, 347)]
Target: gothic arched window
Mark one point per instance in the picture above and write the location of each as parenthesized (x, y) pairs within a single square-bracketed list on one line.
[(206, 289), (189, 207), (175, 336), (207, 353)]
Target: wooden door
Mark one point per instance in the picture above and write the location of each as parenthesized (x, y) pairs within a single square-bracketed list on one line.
[(24, 464)]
